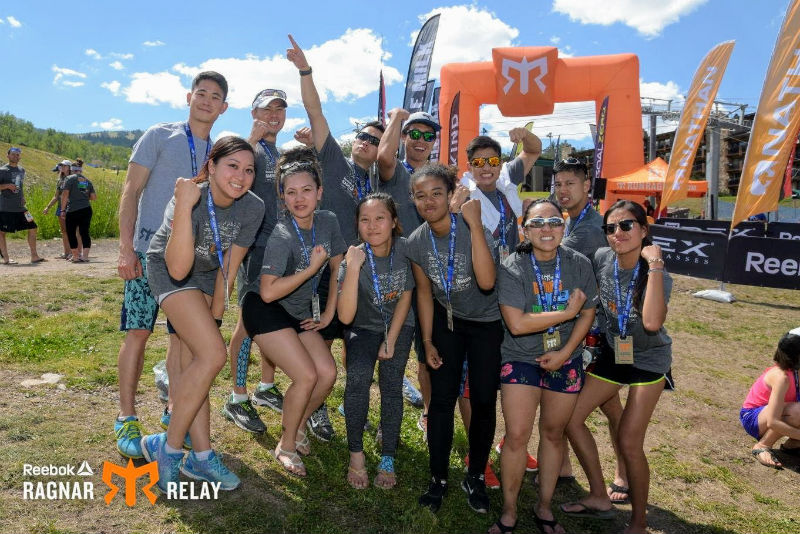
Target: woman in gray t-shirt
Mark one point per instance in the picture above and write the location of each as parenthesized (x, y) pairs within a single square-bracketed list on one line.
[(634, 291), (374, 300), (208, 226), (547, 296)]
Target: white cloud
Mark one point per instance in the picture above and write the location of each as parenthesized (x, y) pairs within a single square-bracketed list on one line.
[(156, 88), (110, 124), (555, 40), (116, 65), (153, 43), (2, 21), (293, 123), (454, 44), (649, 19), (61, 73), (225, 133), (291, 143), (111, 86), (570, 120), (92, 53), (13, 21), (118, 55), (666, 91)]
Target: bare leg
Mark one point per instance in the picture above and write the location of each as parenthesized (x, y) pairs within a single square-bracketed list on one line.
[(325, 368), (612, 409), (4, 247), (32, 244), (424, 378), (65, 240), (129, 369)]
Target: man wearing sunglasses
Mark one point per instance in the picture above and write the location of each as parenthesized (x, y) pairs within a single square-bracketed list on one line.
[(571, 188)]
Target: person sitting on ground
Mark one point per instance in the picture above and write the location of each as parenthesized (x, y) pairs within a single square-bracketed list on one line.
[(771, 409)]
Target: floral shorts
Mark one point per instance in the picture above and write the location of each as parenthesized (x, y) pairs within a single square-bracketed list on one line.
[(568, 379)]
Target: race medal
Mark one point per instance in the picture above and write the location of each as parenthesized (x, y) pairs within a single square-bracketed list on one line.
[(503, 252), (28, 216), (315, 308), (623, 350), (552, 341), (450, 316)]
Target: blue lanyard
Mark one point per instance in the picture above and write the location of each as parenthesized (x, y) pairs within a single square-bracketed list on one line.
[(212, 216), (547, 300), (582, 214), (192, 152), (306, 256), (268, 151), (502, 199), (624, 313), (408, 167), (376, 285), (367, 187), (447, 284)]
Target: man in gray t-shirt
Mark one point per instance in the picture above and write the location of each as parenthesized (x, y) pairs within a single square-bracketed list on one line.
[(583, 230), (14, 216), (164, 153)]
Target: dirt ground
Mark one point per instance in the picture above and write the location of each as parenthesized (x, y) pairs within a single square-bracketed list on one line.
[(102, 259)]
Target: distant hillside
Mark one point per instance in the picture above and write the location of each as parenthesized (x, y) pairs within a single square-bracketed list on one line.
[(93, 149), (124, 138)]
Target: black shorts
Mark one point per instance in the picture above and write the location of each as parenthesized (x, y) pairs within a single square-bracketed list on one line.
[(604, 368), (14, 221), (261, 317), (335, 330)]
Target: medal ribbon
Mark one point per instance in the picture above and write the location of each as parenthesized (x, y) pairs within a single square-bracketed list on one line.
[(306, 256), (192, 152), (624, 313), (547, 300), (376, 285), (447, 283), (582, 214)]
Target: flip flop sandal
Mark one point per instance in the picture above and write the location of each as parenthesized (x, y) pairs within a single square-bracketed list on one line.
[(541, 523), (352, 471), (386, 469), (40, 260), (505, 529), (303, 443), (615, 488), (10, 262), (776, 463), (293, 461), (591, 513)]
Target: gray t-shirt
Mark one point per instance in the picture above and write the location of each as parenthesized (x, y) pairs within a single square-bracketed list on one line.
[(12, 202), (516, 170), (468, 300), (517, 287), (652, 351), (393, 282), (80, 188), (237, 225), (587, 236), (164, 150), (284, 256), (341, 178), (399, 188)]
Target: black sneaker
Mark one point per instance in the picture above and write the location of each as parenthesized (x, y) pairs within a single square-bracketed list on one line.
[(475, 488), (320, 425), (271, 398), (244, 416), (432, 498)]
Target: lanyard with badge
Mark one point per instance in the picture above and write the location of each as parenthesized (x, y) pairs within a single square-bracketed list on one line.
[(548, 301), (376, 285), (623, 344), (582, 214), (315, 309), (192, 151), (212, 216), (503, 249), (364, 189), (268, 152), (447, 283)]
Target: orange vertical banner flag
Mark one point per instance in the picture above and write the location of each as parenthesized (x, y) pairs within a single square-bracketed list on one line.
[(692, 125), (776, 123)]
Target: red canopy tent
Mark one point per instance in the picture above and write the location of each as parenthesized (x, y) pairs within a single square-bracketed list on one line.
[(648, 181)]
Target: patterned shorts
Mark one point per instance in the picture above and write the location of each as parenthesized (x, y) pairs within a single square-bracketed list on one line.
[(568, 379), (139, 306)]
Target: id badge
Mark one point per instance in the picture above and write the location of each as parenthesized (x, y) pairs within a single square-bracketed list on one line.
[(503, 252), (315, 308), (552, 341), (623, 350), (450, 316), (28, 216)]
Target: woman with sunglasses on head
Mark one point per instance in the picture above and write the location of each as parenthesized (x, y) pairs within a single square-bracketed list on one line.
[(454, 270), (547, 296), (63, 169), (208, 226), (634, 291), (285, 319), (375, 283)]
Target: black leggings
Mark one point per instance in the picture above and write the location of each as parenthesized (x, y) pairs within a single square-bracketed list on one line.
[(80, 220), (478, 342)]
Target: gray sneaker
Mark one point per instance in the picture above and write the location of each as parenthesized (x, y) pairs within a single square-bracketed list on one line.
[(271, 398), (244, 416), (320, 425)]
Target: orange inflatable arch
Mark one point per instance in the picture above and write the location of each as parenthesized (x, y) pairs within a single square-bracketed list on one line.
[(529, 81)]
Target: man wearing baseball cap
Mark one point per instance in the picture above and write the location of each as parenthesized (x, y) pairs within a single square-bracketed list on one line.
[(14, 216), (269, 115)]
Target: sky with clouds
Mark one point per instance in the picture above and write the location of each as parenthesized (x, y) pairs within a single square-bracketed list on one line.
[(81, 67)]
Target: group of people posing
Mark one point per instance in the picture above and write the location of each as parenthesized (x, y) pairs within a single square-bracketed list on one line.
[(386, 252)]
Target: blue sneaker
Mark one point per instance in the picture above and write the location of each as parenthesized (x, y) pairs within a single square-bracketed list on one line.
[(412, 394), (129, 437), (169, 465), (187, 440), (211, 470)]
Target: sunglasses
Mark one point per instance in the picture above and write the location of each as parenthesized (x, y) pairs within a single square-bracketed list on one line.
[(416, 134), (625, 226), (371, 139), (494, 161), (539, 222)]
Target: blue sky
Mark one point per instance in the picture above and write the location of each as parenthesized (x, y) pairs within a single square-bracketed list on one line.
[(88, 66)]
